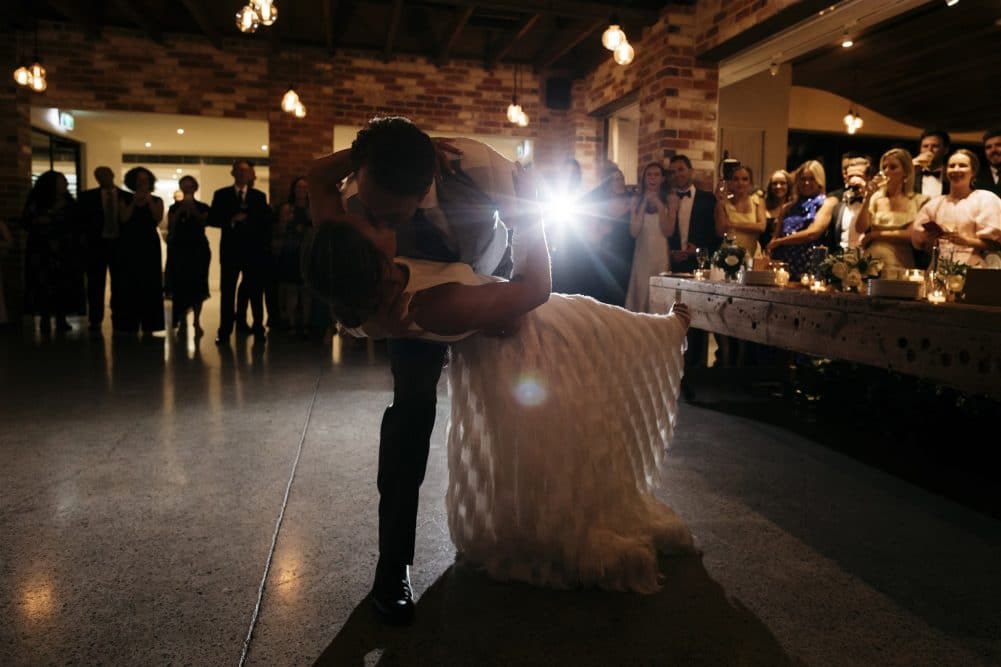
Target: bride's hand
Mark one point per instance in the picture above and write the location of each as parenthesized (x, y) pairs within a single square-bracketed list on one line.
[(682, 311)]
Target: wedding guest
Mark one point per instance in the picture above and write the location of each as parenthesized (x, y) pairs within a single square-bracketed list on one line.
[(929, 163), (967, 221), (99, 216), (614, 204), (804, 220), (53, 275), (649, 226), (696, 220), (990, 178), (740, 211), (841, 234), (888, 213), (188, 255), (294, 225), (777, 194), (138, 258)]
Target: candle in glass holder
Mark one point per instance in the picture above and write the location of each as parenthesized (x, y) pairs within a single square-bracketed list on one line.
[(936, 297), (781, 277), (915, 275), (818, 286), (805, 280), (699, 274)]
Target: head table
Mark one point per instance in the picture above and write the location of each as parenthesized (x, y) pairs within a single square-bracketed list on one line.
[(952, 343)]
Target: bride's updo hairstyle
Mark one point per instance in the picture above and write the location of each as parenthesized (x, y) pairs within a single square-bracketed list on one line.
[(396, 154), (346, 270)]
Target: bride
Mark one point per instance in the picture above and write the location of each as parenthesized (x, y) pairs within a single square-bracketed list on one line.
[(558, 429)]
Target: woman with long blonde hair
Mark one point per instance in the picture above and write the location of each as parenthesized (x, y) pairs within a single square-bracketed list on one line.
[(804, 220)]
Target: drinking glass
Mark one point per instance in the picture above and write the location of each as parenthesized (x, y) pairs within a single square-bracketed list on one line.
[(702, 258)]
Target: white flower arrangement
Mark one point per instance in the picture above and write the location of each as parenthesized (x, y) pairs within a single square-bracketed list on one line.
[(849, 269)]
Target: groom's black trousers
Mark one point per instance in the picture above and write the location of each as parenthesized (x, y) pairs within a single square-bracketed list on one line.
[(404, 442)]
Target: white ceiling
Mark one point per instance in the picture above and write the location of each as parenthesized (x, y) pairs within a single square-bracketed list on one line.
[(202, 135)]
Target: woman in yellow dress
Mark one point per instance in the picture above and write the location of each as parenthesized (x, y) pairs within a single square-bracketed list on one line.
[(740, 211), (888, 212)]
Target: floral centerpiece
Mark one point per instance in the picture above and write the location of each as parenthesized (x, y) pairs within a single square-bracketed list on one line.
[(952, 273), (850, 268), (729, 257)]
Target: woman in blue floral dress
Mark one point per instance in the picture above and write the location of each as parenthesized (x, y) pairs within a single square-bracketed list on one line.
[(804, 220)]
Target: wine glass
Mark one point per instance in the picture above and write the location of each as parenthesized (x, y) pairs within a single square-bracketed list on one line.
[(702, 258)]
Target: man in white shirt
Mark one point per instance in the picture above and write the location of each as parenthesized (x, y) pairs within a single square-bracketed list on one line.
[(842, 234), (929, 164), (989, 177)]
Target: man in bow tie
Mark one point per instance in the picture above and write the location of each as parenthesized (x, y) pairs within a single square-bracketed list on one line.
[(696, 224), (989, 177), (857, 171), (929, 165)]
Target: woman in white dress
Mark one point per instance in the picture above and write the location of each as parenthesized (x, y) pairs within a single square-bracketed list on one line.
[(649, 225), (966, 221), (557, 430)]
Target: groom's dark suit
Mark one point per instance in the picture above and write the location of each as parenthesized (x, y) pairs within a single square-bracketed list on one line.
[(470, 235)]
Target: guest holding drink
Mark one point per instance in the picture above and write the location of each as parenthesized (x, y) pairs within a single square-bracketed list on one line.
[(804, 220), (965, 222), (740, 211), (188, 255), (777, 194), (888, 212)]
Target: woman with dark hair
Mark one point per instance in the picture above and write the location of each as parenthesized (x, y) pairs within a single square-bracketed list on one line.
[(140, 303), (964, 222), (778, 192), (53, 269), (650, 226), (295, 224), (186, 278)]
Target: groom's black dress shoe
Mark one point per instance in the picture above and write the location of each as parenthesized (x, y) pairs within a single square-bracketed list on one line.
[(392, 596)]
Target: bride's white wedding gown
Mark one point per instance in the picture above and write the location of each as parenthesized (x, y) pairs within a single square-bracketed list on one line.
[(556, 439)]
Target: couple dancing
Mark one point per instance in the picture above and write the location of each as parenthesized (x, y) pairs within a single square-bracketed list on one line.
[(561, 406)]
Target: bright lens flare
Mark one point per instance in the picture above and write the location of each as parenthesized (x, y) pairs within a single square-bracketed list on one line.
[(530, 391)]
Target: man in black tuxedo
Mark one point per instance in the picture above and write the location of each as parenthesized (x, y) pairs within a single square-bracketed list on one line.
[(413, 213), (929, 164), (98, 211), (696, 224), (694, 228), (243, 215), (841, 234), (989, 177)]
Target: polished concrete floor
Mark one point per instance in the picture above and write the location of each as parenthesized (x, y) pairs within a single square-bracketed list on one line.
[(142, 483)]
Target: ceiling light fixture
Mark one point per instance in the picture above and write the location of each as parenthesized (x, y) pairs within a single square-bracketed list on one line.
[(247, 19), (255, 14), (515, 114), (32, 77), (264, 147), (624, 53), (613, 35), (852, 121), (149, 145), (846, 40), (290, 99), (180, 130), (951, 3)]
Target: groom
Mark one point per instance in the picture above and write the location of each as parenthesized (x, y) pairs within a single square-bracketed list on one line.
[(451, 217)]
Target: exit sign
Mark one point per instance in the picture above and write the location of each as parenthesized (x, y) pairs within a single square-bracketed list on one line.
[(66, 121)]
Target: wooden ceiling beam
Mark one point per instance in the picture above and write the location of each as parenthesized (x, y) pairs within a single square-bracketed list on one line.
[(522, 30), (136, 13), (329, 12), (457, 27), (569, 8), (197, 11), (394, 24), (341, 12), (564, 46), (76, 13)]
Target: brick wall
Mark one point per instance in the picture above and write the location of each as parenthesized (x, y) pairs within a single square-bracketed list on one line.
[(678, 96), (721, 20)]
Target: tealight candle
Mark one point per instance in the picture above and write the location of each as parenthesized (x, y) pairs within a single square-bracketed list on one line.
[(699, 274), (781, 278), (916, 275), (936, 297), (818, 286), (805, 280)]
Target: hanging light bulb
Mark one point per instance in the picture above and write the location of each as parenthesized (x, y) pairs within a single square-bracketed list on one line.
[(300, 110), (514, 110), (247, 19), (613, 36), (858, 122), (22, 75), (290, 100), (846, 40), (852, 121), (522, 119), (266, 11), (38, 84), (624, 53)]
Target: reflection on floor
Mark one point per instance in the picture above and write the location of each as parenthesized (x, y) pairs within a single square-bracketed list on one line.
[(142, 481)]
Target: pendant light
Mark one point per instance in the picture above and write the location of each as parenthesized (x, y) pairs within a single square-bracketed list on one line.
[(247, 19), (514, 110), (624, 53), (290, 100), (267, 13), (613, 35), (32, 77), (852, 121)]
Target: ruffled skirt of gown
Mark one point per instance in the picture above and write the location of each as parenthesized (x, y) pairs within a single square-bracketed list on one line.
[(555, 446)]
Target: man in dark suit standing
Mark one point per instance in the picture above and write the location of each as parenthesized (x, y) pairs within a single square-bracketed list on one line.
[(929, 164), (696, 226), (989, 177), (243, 215), (98, 210)]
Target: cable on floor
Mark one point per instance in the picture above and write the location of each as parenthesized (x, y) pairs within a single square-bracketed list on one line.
[(278, 526)]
